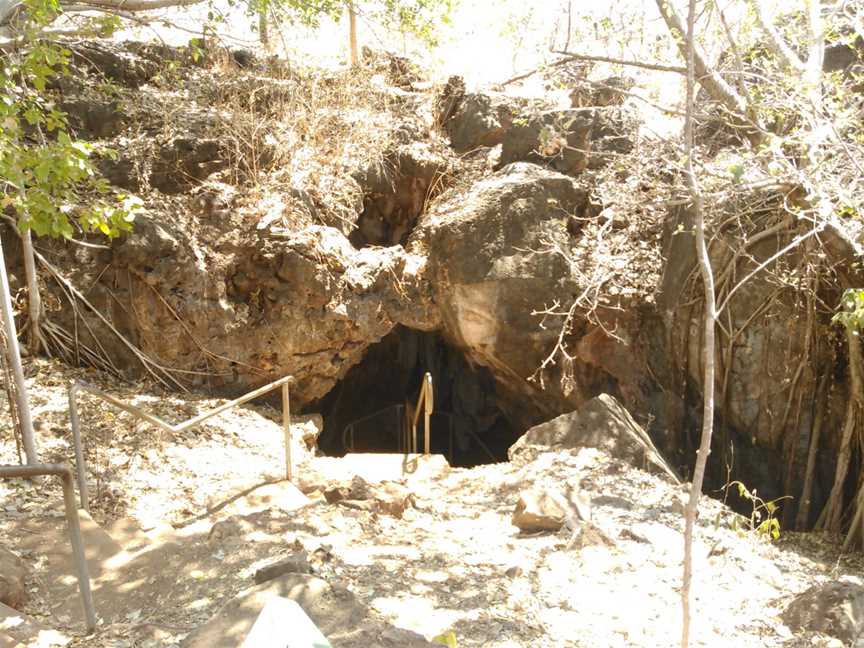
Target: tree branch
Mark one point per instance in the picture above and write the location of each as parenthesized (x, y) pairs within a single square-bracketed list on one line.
[(569, 57), (713, 83)]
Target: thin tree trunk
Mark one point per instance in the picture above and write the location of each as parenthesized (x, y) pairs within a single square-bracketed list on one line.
[(818, 418), (352, 34), (34, 298), (832, 515), (263, 33), (710, 318), (713, 83), (14, 358)]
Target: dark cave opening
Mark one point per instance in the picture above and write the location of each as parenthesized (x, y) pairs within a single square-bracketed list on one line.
[(371, 408)]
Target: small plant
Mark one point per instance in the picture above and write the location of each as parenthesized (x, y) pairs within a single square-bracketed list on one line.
[(762, 521), (447, 639)]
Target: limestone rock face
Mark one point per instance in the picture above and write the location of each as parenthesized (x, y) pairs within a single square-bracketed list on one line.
[(489, 281), (570, 141)]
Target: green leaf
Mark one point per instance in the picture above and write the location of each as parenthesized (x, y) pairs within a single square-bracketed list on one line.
[(447, 639)]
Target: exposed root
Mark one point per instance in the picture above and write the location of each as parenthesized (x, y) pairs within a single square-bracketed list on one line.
[(831, 518)]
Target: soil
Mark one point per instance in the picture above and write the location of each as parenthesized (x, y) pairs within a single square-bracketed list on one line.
[(451, 562)]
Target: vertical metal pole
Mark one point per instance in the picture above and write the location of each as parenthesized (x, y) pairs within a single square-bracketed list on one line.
[(80, 466), (286, 422), (78, 551), (426, 440), (14, 355)]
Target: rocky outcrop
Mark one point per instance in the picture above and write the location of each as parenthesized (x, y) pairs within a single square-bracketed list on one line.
[(492, 268), (475, 119), (571, 141)]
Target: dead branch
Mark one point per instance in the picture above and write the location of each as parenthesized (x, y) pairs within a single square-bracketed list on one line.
[(713, 83), (570, 57)]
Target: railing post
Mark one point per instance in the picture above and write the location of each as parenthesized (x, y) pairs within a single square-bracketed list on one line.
[(64, 472), (80, 466), (78, 551), (286, 422), (426, 428)]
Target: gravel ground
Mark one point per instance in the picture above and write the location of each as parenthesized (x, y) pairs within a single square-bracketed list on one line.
[(451, 562)]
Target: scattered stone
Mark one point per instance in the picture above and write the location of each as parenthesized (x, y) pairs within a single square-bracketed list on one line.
[(835, 608), (13, 591), (296, 563), (359, 489), (223, 530), (336, 494), (514, 571), (547, 511)]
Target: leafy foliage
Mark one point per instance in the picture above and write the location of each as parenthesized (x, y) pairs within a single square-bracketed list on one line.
[(45, 173), (851, 311), (762, 521)]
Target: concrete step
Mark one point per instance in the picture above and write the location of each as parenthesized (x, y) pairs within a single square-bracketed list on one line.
[(378, 467)]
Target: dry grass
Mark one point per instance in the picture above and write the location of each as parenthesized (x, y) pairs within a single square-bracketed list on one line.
[(302, 131)]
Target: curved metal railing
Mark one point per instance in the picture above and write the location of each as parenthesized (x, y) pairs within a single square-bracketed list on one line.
[(168, 427)]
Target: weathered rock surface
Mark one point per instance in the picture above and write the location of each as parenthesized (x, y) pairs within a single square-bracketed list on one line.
[(472, 120), (336, 612), (601, 423), (570, 141), (13, 572), (489, 281), (834, 608), (559, 139), (549, 511), (296, 563)]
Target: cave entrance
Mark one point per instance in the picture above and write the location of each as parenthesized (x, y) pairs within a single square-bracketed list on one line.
[(371, 408)]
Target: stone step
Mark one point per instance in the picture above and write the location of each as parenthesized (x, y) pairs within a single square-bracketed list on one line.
[(378, 467)]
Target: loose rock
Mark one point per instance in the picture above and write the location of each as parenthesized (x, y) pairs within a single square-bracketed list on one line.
[(13, 591)]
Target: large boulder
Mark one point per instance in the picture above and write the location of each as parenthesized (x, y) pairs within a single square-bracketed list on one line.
[(835, 608), (601, 423), (571, 140), (474, 119), (493, 267)]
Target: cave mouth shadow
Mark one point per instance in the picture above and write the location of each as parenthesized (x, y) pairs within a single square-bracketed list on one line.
[(369, 409)]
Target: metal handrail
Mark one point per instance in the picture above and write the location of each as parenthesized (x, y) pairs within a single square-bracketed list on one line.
[(64, 472), (348, 430), (78, 386), (426, 400)]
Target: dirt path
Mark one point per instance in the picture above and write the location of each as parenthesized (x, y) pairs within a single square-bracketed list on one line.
[(451, 562)]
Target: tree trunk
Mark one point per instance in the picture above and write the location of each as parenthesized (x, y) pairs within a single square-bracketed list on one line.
[(34, 299), (352, 34), (14, 358), (831, 518), (713, 83), (263, 33), (710, 318)]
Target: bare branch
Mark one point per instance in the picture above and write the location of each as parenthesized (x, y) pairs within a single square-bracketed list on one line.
[(569, 57), (713, 83)]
